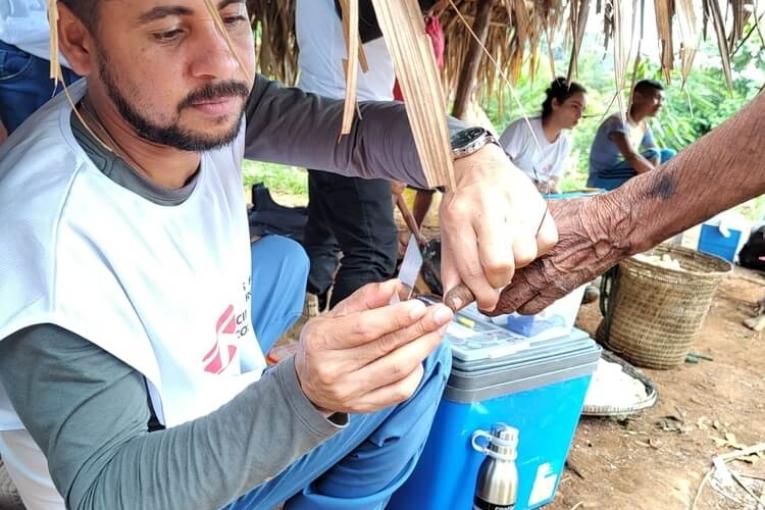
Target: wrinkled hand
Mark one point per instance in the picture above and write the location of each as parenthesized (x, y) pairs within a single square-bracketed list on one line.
[(490, 225), (365, 355), (592, 239)]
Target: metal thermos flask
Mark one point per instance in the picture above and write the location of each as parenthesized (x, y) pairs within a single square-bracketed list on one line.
[(497, 484)]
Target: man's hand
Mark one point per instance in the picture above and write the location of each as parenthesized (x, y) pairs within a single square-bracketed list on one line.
[(3, 133), (365, 355), (494, 222), (639, 163), (593, 237), (397, 188)]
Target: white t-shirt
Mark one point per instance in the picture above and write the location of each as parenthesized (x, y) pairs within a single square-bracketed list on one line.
[(24, 23), (545, 157), (320, 38), (164, 289)]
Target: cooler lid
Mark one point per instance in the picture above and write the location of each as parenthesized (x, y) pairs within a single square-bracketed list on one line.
[(545, 363)]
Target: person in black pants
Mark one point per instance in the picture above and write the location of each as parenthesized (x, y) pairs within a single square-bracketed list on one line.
[(348, 217), (353, 216)]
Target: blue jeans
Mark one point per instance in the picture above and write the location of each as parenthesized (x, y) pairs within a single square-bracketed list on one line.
[(622, 172), (363, 464), (279, 275), (25, 85)]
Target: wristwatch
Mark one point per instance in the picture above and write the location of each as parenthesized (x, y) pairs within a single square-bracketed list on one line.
[(468, 141)]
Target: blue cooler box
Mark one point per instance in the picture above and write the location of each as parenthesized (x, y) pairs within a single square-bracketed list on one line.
[(540, 391), (713, 242)]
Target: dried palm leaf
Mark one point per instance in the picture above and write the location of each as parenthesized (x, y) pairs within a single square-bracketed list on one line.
[(56, 71), (55, 65), (664, 12), (350, 10), (501, 73), (712, 7), (221, 27), (550, 55), (404, 32), (621, 53), (690, 33), (515, 34), (580, 10), (276, 43)]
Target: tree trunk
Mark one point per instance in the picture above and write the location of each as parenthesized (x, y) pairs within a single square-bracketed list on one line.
[(473, 58)]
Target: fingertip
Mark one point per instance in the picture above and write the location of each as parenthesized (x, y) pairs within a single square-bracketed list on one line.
[(548, 236), (453, 302), (488, 300), (442, 314), (415, 309), (534, 307)]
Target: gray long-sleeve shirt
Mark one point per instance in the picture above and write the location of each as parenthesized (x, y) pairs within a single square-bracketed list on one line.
[(89, 412)]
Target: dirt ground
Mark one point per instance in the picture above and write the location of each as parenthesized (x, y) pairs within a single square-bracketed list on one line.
[(657, 459)]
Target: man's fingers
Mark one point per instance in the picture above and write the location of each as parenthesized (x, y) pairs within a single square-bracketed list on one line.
[(519, 292), (398, 364), (547, 237), (536, 305), (347, 379), (361, 328), (458, 297), (434, 319), (391, 394), (462, 243), (368, 297), (496, 249), (450, 277)]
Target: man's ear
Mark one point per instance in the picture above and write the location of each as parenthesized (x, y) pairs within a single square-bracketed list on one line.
[(76, 42)]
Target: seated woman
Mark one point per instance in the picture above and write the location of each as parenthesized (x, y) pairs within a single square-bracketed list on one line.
[(541, 150)]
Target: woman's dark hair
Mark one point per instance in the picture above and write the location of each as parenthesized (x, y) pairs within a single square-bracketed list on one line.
[(561, 90)]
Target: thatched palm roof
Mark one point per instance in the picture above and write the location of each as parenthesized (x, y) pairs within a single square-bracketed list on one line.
[(518, 33)]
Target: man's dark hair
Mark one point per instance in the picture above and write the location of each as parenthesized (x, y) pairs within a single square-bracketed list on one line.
[(648, 86), (86, 11), (560, 90)]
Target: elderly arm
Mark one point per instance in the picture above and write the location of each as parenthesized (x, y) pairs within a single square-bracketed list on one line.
[(724, 168)]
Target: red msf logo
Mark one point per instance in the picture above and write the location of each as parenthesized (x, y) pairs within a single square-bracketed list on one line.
[(224, 350)]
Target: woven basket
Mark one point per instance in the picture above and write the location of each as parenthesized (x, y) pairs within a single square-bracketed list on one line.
[(653, 314)]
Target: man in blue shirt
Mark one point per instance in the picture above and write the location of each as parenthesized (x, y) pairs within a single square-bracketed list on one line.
[(625, 147)]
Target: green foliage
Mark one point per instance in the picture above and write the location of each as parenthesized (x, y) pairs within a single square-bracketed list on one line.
[(282, 179), (691, 110)]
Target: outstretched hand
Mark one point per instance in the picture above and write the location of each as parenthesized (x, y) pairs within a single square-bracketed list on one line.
[(590, 241)]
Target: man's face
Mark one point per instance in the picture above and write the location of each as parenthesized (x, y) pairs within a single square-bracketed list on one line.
[(651, 102), (170, 72)]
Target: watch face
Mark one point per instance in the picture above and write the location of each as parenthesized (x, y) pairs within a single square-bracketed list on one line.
[(466, 137)]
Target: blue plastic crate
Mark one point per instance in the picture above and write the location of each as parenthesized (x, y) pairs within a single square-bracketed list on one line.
[(712, 241)]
